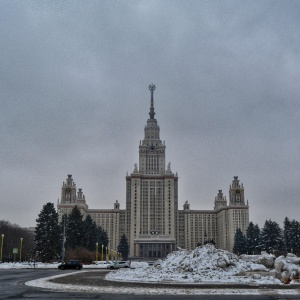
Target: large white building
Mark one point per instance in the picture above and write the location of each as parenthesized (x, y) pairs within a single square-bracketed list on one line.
[(151, 220)]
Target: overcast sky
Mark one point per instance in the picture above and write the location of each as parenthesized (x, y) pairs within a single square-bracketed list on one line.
[(74, 79)]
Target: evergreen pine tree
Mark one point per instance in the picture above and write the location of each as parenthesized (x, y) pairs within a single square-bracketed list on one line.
[(287, 233), (271, 237), (47, 233), (74, 229), (252, 238), (102, 237), (295, 237), (239, 242), (123, 247), (90, 233), (257, 237)]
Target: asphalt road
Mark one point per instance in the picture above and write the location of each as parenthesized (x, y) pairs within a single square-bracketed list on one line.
[(12, 286)]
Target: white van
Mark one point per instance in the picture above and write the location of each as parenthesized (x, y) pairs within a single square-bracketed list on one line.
[(118, 265)]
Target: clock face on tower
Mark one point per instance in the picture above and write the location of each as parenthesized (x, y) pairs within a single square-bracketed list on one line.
[(68, 190), (237, 191)]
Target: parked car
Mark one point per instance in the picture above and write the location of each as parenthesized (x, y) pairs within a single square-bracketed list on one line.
[(72, 264), (118, 265)]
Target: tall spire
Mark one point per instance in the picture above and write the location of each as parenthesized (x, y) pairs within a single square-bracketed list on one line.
[(152, 89)]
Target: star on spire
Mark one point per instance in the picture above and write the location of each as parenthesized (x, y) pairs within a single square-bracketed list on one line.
[(152, 89)]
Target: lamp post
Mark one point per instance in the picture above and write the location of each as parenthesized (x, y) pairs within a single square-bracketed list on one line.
[(102, 253), (21, 243), (63, 239), (2, 238), (97, 251)]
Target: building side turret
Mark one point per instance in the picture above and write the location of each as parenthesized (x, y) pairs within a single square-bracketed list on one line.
[(220, 201)]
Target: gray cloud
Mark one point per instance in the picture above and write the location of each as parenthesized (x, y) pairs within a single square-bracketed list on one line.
[(74, 99)]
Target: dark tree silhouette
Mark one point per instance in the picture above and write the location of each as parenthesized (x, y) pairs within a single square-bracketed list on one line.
[(240, 246), (47, 233), (123, 247), (271, 237)]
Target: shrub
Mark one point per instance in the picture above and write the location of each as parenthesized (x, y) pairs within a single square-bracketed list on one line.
[(80, 253)]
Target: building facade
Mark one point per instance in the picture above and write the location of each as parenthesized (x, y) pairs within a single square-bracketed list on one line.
[(151, 219)]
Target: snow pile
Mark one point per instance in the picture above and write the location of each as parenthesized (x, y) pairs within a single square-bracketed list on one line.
[(287, 268), (265, 259), (205, 264)]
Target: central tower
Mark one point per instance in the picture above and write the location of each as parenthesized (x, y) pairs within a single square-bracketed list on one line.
[(152, 150), (152, 197)]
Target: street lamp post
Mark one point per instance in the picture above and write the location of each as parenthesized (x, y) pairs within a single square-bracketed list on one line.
[(97, 251), (106, 254), (63, 239), (21, 243), (102, 253), (2, 238)]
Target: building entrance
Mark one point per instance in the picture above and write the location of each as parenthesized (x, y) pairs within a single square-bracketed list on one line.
[(155, 250)]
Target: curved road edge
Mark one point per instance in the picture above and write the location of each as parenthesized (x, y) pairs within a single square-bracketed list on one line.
[(45, 283)]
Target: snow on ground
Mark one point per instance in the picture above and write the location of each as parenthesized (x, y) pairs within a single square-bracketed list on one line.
[(40, 265), (204, 265), (207, 264), (139, 264), (44, 283), (157, 290)]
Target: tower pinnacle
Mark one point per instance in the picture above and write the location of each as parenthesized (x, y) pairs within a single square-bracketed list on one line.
[(152, 89)]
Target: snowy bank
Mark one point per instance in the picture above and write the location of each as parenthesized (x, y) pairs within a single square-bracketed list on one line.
[(287, 269), (205, 264), (40, 265)]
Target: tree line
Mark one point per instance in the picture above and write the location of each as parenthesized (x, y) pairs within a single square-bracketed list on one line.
[(271, 238), (10, 238), (73, 237)]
